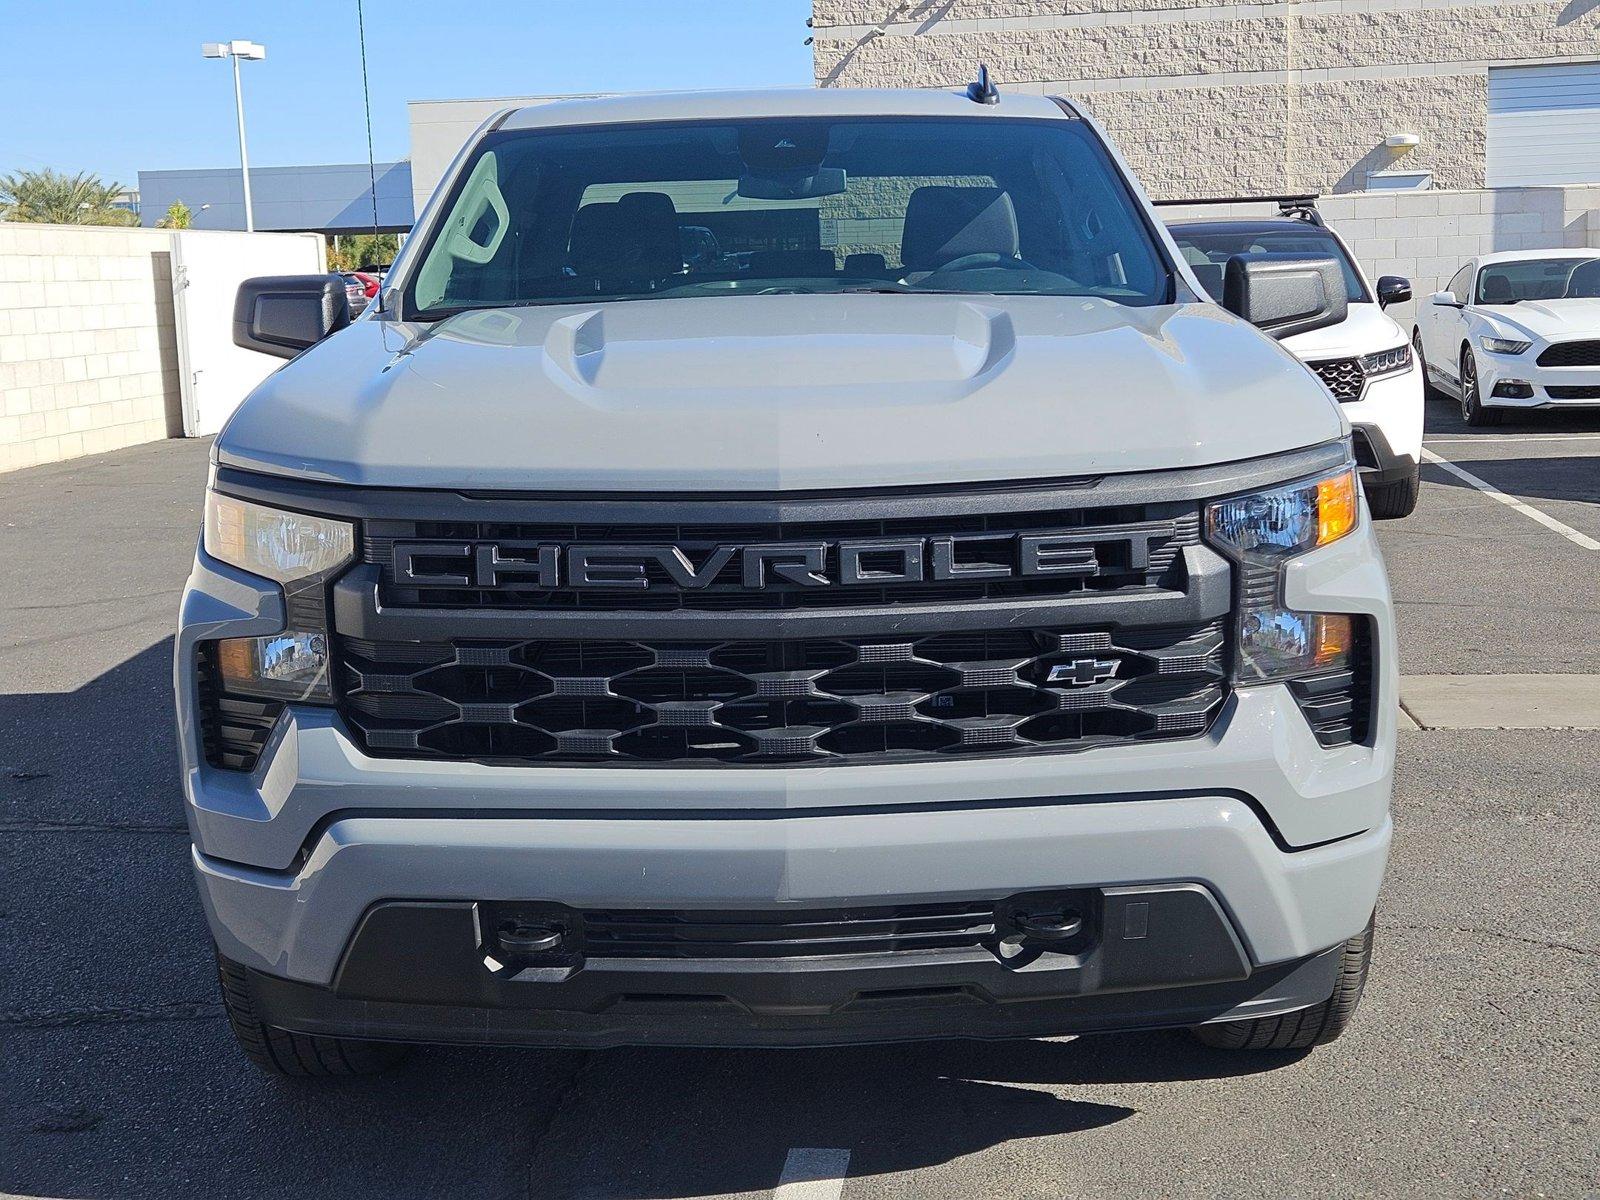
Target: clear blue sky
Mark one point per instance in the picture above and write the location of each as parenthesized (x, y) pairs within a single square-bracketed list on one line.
[(113, 86)]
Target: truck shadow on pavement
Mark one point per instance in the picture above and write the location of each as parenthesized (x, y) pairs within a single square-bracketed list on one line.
[(118, 1075)]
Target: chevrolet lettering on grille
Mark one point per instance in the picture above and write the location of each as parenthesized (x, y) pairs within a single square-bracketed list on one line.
[(760, 565)]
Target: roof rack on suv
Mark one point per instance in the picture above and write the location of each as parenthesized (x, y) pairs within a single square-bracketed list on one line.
[(1301, 207)]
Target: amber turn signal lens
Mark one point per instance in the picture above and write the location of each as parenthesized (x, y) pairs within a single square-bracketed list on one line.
[(1337, 507), (1334, 639)]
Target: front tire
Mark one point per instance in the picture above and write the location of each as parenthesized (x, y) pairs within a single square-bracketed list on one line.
[(302, 1055), (1473, 411), (1398, 499), (1314, 1026)]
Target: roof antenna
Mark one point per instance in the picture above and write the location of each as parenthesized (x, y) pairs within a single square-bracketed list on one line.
[(981, 91), (372, 169)]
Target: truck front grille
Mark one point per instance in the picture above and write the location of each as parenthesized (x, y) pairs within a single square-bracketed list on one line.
[(953, 559), (782, 701)]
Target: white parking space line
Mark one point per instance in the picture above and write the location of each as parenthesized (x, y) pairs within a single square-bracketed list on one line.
[(1482, 438), (1527, 510), (812, 1173)]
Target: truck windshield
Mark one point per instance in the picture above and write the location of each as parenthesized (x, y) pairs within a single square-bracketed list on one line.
[(1208, 249), (634, 212)]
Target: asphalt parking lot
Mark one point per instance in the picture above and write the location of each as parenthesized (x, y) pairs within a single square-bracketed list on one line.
[(1471, 1071)]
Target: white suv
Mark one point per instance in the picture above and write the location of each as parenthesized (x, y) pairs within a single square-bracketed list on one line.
[(1364, 360)]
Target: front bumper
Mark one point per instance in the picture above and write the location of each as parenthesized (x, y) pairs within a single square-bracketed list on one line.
[(1387, 426), (1284, 839), (1163, 956), (1552, 387)]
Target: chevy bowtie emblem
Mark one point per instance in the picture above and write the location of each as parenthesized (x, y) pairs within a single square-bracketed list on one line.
[(1082, 672)]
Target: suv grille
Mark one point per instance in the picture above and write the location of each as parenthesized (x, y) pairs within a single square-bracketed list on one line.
[(788, 701), (1343, 377), (1571, 354), (1099, 550)]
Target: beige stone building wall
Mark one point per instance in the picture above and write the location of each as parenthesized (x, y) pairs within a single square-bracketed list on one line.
[(1207, 97), (88, 357)]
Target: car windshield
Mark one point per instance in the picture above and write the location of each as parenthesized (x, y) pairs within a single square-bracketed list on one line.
[(1208, 252), (787, 206), (1539, 279)]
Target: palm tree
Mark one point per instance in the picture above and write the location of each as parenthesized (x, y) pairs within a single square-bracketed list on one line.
[(56, 198)]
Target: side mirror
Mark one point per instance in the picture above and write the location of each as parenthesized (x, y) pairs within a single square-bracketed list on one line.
[(1444, 300), (1393, 289), (285, 314), (1284, 294)]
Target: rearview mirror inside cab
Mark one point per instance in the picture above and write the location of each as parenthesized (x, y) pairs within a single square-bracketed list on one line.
[(285, 314), (1284, 294)]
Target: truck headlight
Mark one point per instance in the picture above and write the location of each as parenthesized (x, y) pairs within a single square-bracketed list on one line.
[(283, 546), (1503, 345), (1261, 532), (292, 665)]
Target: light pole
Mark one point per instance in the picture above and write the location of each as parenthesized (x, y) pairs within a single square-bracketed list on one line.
[(236, 50)]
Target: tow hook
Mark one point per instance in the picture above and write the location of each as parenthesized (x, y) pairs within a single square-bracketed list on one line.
[(1055, 926), (520, 940)]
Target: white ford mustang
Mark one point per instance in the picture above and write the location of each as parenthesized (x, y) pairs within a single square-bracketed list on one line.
[(1519, 330)]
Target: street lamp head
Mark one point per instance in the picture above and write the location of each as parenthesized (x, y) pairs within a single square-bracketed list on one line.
[(250, 51)]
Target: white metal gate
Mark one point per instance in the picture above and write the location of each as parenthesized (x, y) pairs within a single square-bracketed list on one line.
[(207, 268), (1544, 125)]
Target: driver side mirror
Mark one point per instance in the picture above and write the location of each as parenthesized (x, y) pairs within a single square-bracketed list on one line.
[(282, 315), (1445, 300), (1285, 294), (1393, 289)]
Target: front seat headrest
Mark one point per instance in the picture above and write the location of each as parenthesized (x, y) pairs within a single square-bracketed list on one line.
[(1495, 289), (945, 223), (633, 240)]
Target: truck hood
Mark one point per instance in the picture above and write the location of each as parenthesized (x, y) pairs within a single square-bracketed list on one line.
[(780, 392)]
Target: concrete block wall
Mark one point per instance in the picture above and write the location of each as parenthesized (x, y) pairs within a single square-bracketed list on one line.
[(1427, 236), (1223, 97), (88, 352)]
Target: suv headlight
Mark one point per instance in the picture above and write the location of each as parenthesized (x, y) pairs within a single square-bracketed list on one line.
[(283, 546), (1261, 532), (1387, 362), (1496, 345)]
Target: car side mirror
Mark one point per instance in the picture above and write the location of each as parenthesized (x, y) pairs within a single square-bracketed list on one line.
[(285, 314), (1393, 289), (1284, 294), (1445, 300)]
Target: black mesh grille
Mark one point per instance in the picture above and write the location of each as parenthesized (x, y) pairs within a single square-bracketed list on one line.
[(1343, 377), (1120, 548), (662, 933), (802, 700), (233, 729), (1571, 354), (1574, 392)]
